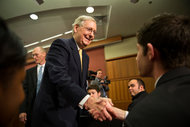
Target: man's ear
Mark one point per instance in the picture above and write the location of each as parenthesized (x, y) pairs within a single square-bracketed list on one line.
[(75, 28), (99, 93), (150, 51), (141, 88)]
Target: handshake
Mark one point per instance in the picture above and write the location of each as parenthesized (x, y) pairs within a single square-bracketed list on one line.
[(102, 109)]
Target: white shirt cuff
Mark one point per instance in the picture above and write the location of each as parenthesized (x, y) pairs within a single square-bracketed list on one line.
[(126, 114), (82, 102)]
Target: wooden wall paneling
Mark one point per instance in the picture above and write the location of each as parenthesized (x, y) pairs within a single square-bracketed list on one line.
[(117, 90), (109, 68), (131, 67), (111, 91), (123, 68), (116, 69), (121, 82), (126, 91)]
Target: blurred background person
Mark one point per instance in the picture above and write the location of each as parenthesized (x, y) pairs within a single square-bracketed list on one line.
[(137, 90), (31, 85), (12, 73), (101, 83), (86, 120), (94, 91)]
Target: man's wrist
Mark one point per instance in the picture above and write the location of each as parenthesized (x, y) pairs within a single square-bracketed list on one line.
[(83, 101)]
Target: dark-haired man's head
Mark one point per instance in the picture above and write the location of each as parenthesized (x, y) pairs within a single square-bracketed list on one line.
[(135, 86), (164, 40)]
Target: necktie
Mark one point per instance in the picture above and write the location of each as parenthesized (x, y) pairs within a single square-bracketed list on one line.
[(80, 53), (39, 79)]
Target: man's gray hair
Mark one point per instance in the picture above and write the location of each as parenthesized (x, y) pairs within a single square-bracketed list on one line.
[(79, 21)]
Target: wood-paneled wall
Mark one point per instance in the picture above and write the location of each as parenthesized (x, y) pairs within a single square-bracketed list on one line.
[(119, 71)]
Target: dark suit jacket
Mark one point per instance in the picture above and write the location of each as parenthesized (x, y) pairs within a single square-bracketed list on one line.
[(168, 105), (136, 99), (29, 86), (63, 86)]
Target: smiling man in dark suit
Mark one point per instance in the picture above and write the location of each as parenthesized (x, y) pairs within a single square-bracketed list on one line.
[(31, 85), (63, 88)]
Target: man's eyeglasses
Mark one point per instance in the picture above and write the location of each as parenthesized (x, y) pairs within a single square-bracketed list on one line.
[(35, 55), (90, 30)]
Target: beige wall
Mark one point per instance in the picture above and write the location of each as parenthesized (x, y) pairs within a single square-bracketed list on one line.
[(125, 47)]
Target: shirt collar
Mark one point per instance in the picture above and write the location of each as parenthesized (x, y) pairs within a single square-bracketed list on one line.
[(77, 46), (155, 84), (41, 65)]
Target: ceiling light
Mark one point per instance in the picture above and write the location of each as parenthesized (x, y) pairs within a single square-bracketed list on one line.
[(134, 1), (90, 9), (33, 16), (40, 1)]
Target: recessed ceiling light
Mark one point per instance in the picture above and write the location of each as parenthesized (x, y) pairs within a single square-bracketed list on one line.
[(33, 16), (90, 9), (134, 1)]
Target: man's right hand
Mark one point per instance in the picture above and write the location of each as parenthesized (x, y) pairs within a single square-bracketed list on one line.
[(116, 112), (99, 107), (23, 117)]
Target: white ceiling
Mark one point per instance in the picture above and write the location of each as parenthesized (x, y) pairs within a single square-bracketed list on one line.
[(114, 17)]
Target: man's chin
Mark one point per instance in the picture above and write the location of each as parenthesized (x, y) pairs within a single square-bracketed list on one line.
[(86, 44)]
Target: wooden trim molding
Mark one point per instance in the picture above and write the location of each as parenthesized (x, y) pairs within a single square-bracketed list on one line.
[(104, 42), (92, 45), (30, 61), (121, 57)]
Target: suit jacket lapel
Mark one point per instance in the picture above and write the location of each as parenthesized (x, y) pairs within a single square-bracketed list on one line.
[(84, 66), (76, 57), (75, 53), (77, 61)]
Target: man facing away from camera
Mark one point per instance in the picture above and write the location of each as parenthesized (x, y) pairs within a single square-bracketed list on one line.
[(163, 53)]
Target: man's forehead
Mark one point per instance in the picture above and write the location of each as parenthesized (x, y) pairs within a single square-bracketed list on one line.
[(89, 23), (133, 81), (36, 50), (91, 90)]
